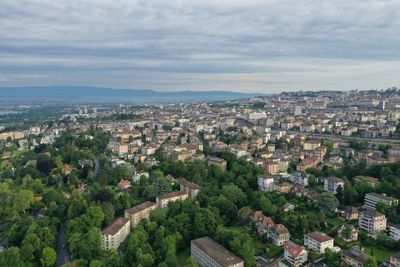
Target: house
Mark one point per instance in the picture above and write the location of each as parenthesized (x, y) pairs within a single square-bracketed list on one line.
[(124, 184), (115, 234), (139, 212), (266, 183), (372, 199), (332, 183), (208, 253), (348, 233), (191, 188), (284, 187), (351, 213), (354, 256), (278, 234), (288, 207), (294, 255), (372, 221), (163, 200), (394, 260), (318, 241)]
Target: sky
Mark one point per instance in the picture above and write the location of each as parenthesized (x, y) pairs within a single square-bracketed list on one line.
[(170, 45)]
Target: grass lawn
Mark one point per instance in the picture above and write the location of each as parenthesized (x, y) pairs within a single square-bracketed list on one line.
[(380, 254), (260, 245)]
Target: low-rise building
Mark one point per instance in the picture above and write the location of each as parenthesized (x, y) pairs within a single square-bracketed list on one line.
[(374, 182), (351, 213), (299, 178), (394, 231), (348, 233), (372, 221), (372, 199), (354, 257), (278, 234), (294, 255), (332, 183), (139, 212), (266, 183), (191, 188), (163, 200), (208, 253), (318, 242), (115, 234), (217, 162)]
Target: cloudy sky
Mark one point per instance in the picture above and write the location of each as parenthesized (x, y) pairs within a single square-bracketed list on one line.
[(249, 46)]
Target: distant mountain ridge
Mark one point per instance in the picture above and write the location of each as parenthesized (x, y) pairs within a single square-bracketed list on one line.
[(110, 95)]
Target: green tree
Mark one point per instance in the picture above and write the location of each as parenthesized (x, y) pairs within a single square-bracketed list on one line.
[(49, 257), (328, 203)]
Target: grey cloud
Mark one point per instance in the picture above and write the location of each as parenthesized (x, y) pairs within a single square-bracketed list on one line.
[(236, 45)]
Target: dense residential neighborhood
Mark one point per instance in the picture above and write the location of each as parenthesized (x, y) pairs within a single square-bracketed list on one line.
[(290, 179)]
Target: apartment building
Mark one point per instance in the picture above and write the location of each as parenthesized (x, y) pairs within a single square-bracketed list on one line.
[(394, 231), (115, 234), (374, 182), (372, 199), (208, 253), (372, 221), (191, 188), (139, 212), (318, 241), (266, 183), (299, 178), (332, 183), (278, 234), (217, 162), (294, 255), (163, 200), (354, 256), (271, 167)]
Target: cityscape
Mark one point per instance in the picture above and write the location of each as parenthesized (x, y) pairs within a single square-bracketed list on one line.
[(199, 133), (290, 179)]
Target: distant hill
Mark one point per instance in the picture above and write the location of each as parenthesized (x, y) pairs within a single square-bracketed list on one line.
[(109, 95)]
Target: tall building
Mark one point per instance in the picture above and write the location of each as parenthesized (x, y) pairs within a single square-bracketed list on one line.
[(208, 253), (116, 233), (266, 183), (382, 104)]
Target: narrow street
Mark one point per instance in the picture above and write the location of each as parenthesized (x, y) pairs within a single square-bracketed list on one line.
[(62, 251)]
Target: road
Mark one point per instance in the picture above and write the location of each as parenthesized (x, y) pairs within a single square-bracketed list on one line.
[(62, 251), (97, 167), (333, 136)]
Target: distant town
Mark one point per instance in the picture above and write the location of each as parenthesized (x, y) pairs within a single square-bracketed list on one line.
[(290, 179)]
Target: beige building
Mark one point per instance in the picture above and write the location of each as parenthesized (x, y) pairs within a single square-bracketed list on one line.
[(208, 253), (191, 188), (163, 200), (372, 221), (217, 162), (13, 135), (116, 233), (318, 241), (139, 212)]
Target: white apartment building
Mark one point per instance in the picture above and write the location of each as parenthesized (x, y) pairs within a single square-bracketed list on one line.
[(163, 200), (318, 241), (332, 183), (299, 178), (372, 221), (394, 232), (116, 233), (208, 253), (139, 212), (266, 183), (371, 199)]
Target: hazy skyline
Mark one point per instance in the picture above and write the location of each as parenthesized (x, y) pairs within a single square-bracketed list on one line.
[(244, 46)]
